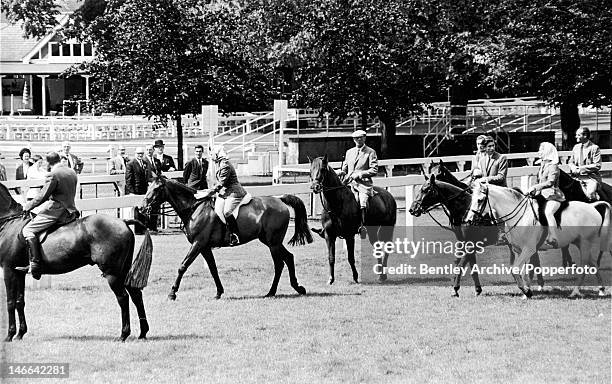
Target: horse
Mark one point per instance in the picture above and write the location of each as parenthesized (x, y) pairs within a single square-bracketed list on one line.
[(97, 239), (456, 200), (264, 218), (581, 225), (341, 215)]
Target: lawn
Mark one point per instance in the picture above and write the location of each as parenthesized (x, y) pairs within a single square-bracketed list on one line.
[(342, 333)]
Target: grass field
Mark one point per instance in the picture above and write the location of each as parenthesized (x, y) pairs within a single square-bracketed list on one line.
[(342, 333)]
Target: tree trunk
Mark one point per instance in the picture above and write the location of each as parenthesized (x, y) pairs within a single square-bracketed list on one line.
[(179, 140), (570, 122), (388, 129), (458, 99)]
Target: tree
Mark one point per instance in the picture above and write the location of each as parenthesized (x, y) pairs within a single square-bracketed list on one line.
[(37, 17), (558, 50), (373, 58), (167, 58)]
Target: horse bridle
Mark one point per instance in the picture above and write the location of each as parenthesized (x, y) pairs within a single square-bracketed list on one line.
[(325, 189), (518, 210)]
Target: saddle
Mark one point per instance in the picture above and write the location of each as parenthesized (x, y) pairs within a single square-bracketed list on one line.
[(219, 207), (42, 236), (542, 217)]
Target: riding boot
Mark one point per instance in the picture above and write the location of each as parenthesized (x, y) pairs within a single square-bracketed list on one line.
[(362, 228), (232, 228), (34, 252)]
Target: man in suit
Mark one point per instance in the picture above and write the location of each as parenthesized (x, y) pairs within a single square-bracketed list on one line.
[(73, 161), (116, 163), (136, 182), (360, 165), (585, 163), (196, 169), (153, 164), (481, 149), (491, 166), (167, 163), (56, 201)]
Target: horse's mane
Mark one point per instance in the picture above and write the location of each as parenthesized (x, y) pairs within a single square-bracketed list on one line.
[(331, 174), (187, 190)]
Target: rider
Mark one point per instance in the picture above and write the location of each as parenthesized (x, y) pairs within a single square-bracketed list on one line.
[(229, 191), (480, 150), (56, 201), (360, 165), (491, 166), (548, 187), (585, 163)]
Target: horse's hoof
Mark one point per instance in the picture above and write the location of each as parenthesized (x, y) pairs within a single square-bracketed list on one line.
[(217, 296), (301, 290), (122, 338), (382, 278), (478, 291), (356, 278), (576, 294), (142, 337), (19, 337), (602, 291), (529, 294), (540, 288), (330, 281), (8, 339), (172, 296), (270, 294)]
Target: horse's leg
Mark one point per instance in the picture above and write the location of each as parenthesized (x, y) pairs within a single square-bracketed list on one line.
[(20, 305), (277, 257), (566, 257), (136, 296), (10, 283), (191, 255), (331, 255), (385, 234), (212, 267), (535, 261), (116, 284), (585, 254), (471, 258), (350, 251), (288, 258), (459, 262), (602, 288), (525, 253)]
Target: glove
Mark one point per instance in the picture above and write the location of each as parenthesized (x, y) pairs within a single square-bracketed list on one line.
[(532, 192)]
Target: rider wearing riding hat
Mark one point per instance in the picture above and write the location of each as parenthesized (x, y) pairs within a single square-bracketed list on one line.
[(228, 189), (360, 165), (585, 163), (548, 187), (56, 201), (491, 166)]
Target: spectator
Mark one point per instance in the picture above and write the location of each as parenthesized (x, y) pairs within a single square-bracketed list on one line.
[(2, 172), (73, 161), (22, 169), (152, 162), (136, 173), (196, 169), (123, 155), (36, 172), (116, 163), (167, 163)]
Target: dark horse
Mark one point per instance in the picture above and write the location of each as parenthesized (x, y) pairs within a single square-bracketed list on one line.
[(341, 215), (456, 198), (96, 239), (264, 218)]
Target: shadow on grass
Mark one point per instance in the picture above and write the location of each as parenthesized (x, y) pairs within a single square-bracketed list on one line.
[(551, 294), (132, 338), (294, 296)]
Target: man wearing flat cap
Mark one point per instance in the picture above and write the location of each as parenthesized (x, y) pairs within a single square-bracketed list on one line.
[(360, 165), (167, 163)]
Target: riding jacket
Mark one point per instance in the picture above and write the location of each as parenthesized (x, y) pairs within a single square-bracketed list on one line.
[(589, 161), (361, 162), (548, 182), (494, 168), (57, 196)]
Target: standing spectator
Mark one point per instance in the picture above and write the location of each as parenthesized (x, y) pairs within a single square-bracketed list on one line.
[(153, 163), (167, 163), (123, 155), (196, 169), (36, 172), (22, 169), (2, 172), (73, 161), (116, 164), (136, 182)]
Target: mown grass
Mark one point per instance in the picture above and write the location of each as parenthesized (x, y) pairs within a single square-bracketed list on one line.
[(343, 333)]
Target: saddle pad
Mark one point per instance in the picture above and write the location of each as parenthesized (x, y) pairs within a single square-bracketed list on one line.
[(219, 206)]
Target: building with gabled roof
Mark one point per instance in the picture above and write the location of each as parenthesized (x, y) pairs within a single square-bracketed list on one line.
[(30, 68)]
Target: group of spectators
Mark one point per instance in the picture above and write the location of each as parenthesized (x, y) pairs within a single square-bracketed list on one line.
[(33, 167)]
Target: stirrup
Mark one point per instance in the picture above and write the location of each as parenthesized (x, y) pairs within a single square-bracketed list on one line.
[(233, 240), (25, 269), (363, 233)]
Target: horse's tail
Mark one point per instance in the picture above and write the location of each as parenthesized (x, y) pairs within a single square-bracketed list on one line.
[(138, 274), (302, 232), (604, 230)]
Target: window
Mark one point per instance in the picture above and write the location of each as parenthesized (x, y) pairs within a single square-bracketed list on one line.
[(54, 49), (76, 49), (87, 50), (66, 50)]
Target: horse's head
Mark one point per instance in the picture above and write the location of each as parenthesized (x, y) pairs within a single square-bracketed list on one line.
[(427, 196), (480, 196), (8, 205), (156, 194), (318, 173)]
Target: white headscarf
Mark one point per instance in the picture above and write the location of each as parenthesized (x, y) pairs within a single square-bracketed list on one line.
[(217, 153), (549, 152)]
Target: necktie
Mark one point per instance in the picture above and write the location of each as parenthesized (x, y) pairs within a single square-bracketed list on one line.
[(140, 163), (70, 163), (152, 160), (581, 157)]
